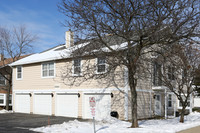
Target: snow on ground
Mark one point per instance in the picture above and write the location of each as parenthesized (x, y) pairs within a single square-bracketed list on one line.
[(5, 111), (113, 125)]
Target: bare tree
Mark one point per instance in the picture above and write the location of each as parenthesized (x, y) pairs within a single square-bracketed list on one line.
[(178, 70), (139, 24), (14, 44)]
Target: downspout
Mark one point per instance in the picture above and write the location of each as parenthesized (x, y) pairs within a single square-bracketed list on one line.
[(150, 105), (126, 93), (165, 103), (175, 104), (191, 101)]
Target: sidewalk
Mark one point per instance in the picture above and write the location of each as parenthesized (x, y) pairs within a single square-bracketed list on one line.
[(191, 130)]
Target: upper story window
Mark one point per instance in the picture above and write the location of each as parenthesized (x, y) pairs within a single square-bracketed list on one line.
[(76, 67), (19, 72), (2, 80), (157, 75), (171, 73), (101, 65), (48, 69)]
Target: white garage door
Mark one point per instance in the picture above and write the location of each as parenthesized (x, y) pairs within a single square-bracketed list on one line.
[(22, 102), (67, 105), (43, 104), (103, 105)]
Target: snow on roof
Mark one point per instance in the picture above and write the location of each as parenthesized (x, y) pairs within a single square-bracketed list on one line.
[(56, 53), (60, 52)]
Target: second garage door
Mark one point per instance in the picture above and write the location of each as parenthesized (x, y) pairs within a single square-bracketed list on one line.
[(43, 103), (22, 103), (67, 104), (103, 105)]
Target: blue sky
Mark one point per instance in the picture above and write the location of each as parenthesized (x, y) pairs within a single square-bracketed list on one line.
[(40, 17)]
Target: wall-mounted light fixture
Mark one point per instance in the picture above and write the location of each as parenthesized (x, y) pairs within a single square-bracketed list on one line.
[(52, 95), (79, 95), (30, 94), (111, 94)]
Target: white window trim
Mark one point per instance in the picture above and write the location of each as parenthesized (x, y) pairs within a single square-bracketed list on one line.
[(76, 75), (168, 101), (21, 73), (4, 100), (106, 66), (53, 68)]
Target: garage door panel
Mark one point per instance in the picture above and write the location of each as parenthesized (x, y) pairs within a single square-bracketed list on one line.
[(42, 104), (67, 105), (103, 106), (22, 103)]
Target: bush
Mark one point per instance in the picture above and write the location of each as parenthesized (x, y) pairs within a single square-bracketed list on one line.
[(197, 109)]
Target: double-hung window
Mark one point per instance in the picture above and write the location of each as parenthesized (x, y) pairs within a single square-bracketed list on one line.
[(48, 69), (19, 72), (101, 65), (76, 67), (2, 80)]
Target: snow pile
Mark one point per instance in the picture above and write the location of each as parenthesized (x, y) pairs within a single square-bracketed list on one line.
[(112, 125), (5, 111)]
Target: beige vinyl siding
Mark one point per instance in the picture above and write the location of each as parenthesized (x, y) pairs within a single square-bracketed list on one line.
[(143, 100), (117, 103), (32, 79)]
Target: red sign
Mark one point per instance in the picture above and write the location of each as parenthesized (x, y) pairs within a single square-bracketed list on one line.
[(92, 101), (93, 111)]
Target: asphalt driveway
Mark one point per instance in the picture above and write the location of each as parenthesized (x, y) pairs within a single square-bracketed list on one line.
[(20, 123)]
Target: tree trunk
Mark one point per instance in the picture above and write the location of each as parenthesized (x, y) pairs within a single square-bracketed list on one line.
[(132, 84), (182, 115), (8, 95)]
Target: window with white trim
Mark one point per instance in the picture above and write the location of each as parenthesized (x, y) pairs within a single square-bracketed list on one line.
[(48, 69), (2, 80), (101, 65), (77, 67), (19, 72), (169, 100), (10, 99), (1, 99)]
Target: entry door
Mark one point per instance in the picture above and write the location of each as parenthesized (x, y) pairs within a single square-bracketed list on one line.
[(157, 104)]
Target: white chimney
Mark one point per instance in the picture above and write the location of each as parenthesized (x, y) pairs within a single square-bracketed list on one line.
[(69, 40)]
